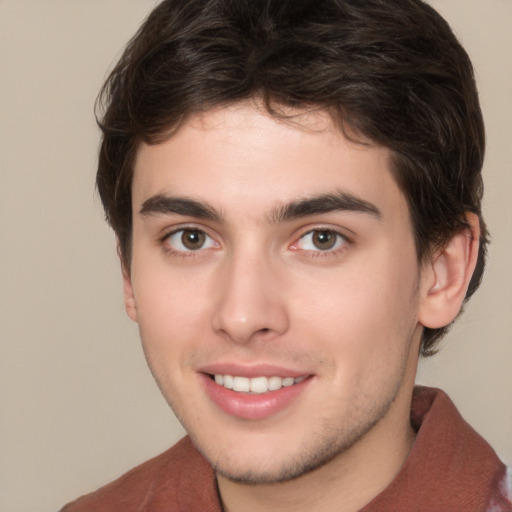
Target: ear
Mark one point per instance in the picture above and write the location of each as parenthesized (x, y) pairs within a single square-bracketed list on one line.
[(129, 299), (445, 278)]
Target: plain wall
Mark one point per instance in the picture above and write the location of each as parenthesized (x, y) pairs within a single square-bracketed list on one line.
[(78, 405)]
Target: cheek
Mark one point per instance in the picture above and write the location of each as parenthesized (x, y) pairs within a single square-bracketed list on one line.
[(168, 320), (170, 306), (363, 316)]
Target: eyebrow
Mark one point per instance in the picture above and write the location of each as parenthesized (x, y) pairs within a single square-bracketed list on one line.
[(162, 204), (324, 203)]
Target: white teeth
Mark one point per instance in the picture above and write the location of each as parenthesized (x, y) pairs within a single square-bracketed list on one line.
[(259, 385), (228, 381), (274, 383), (241, 384), (288, 381), (255, 385)]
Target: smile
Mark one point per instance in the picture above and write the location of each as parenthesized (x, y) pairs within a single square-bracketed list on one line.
[(255, 385)]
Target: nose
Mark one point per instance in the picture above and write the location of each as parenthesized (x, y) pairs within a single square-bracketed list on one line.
[(250, 300)]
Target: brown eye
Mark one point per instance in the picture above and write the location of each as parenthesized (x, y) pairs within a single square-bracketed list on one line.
[(188, 240), (320, 240), (193, 239), (324, 240)]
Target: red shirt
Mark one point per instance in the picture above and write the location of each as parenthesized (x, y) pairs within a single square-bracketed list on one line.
[(449, 469)]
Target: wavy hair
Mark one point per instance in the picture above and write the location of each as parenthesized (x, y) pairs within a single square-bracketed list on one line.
[(389, 70)]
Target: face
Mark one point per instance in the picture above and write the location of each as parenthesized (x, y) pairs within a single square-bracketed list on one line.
[(275, 283)]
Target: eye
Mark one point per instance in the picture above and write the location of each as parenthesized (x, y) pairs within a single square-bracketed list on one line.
[(186, 240), (320, 240)]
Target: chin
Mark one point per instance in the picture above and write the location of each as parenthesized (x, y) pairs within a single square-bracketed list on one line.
[(280, 461), (267, 475)]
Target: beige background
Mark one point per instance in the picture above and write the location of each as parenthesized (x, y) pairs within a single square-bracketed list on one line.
[(78, 406)]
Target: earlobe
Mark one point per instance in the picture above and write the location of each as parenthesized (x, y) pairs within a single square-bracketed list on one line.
[(129, 299), (445, 279)]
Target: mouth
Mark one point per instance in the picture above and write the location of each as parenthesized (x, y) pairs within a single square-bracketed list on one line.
[(255, 385), (256, 396)]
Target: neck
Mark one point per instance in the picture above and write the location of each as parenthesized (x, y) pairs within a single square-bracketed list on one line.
[(346, 483)]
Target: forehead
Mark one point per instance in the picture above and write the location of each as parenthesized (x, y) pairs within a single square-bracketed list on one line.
[(241, 154)]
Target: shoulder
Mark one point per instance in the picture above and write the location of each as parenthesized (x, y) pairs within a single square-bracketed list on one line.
[(502, 499), (162, 477), (450, 467)]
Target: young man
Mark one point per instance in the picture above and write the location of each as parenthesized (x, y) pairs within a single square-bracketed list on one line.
[(295, 188)]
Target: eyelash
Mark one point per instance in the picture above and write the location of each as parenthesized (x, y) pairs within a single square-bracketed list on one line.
[(341, 243), (191, 253)]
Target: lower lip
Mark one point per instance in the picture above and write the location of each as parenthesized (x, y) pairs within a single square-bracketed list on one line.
[(252, 406)]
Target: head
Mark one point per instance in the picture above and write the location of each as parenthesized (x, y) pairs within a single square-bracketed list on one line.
[(386, 71), (292, 184)]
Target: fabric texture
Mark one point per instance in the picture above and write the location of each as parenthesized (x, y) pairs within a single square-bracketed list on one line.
[(450, 468)]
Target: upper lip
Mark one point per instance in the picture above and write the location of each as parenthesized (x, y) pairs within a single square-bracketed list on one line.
[(250, 371)]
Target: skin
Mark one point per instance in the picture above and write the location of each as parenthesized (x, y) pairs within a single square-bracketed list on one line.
[(259, 291)]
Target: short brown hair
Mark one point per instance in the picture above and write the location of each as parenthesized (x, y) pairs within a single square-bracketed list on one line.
[(391, 70)]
